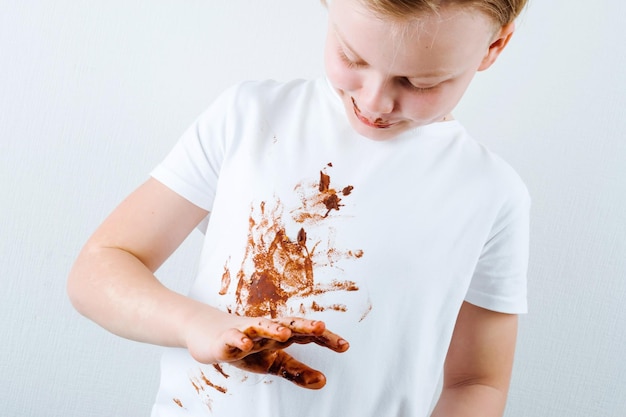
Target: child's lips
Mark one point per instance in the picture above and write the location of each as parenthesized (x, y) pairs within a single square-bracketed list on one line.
[(378, 123)]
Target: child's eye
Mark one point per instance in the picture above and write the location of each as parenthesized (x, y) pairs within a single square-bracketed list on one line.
[(347, 61), (414, 87)]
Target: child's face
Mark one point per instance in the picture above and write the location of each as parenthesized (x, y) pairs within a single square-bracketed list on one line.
[(397, 76)]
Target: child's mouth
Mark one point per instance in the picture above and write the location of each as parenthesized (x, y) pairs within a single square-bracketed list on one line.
[(378, 123)]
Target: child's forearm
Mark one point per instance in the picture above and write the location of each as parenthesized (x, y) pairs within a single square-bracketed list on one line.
[(114, 289), (469, 401)]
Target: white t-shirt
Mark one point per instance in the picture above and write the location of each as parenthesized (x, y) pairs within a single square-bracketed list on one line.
[(382, 240)]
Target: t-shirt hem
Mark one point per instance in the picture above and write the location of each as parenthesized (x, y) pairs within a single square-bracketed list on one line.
[(498, 304), (181, 187)]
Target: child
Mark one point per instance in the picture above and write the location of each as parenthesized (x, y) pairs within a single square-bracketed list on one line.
[(350, 208)]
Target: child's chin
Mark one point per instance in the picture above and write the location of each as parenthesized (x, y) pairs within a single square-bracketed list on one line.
[(376, 133)]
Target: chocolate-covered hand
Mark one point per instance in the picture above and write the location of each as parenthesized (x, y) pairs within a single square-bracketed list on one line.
[(268, 356), (256, 344)]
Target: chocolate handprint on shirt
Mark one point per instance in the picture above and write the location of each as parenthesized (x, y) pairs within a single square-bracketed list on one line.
[(276, 277)]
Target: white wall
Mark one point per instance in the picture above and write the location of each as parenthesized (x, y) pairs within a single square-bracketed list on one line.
[(93, 94)]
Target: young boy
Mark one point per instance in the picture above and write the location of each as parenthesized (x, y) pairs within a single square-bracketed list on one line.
[(353, 203)]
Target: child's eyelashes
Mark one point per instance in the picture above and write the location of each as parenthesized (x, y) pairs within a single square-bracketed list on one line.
[(414, 87), (348, 62)]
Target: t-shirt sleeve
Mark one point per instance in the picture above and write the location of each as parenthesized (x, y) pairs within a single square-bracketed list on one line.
[(192, 167), (499, 282)]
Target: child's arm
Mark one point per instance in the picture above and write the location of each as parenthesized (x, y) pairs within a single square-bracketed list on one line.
[(113, 283), (478, 365)]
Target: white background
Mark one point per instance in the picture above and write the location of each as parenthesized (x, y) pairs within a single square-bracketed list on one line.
[(94, 94)]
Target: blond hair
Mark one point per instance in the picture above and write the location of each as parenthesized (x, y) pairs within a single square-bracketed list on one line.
[(502, 12)]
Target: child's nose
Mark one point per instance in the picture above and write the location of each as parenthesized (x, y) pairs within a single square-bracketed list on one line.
[(377, 97)]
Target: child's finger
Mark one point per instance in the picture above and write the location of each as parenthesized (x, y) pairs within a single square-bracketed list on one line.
[(284, 365), (303, 326), (267, 329), (229, 346), (327, 339), (235, 345), (307, 331)]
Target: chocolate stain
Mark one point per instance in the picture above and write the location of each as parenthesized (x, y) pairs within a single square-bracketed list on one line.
[(336, 307), (196, 387), (201, 383), (369, 308), (219, 369), (324, 182), (225, 279), (212, 385), (330, 198), (178, 402), (301, 237), (283, 266), (318, 206)]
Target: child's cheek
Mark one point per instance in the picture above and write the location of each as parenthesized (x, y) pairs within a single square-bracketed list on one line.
[(341, 77)]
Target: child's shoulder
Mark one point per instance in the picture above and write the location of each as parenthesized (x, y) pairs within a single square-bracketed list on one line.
[(504, 177), (476, 163)]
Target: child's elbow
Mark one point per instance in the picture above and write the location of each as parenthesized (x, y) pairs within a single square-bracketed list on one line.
[(77, 285), (74, 291)]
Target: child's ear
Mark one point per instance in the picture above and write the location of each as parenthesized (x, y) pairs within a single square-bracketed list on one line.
[(496, 47)]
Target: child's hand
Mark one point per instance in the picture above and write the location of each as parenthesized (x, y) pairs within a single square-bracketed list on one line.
[(268, 356), (256, 345)]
